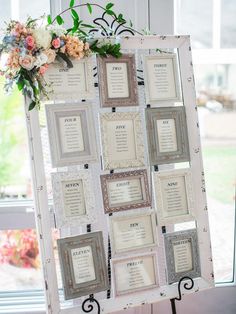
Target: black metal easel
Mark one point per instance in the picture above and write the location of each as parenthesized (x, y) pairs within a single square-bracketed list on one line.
[(187, 285)]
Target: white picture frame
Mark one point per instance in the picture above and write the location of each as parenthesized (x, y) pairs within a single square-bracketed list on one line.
[(174, 196), (71, 121), (65, 83), (73, 198), (136, 231), (122, 140), (161, 78), (139, 271)]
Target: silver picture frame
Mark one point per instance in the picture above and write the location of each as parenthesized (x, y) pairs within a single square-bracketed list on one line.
[(183, 260), (176, 149), (80, 257)]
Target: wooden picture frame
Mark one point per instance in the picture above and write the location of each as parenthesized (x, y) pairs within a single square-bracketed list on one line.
[(133, 184), (182, 255), (167, 123), (174, 196), (122, 140), (117, 81), (134, 274), (131, 232), (73, 198), (161, 78), (82, 257), (68, 84), (71, 134)]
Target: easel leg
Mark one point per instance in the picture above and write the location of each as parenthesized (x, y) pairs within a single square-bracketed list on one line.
[(173, 307)]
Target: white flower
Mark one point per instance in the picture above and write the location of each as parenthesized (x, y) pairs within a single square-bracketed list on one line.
[(40, 60), (42, 37), (56, 29)]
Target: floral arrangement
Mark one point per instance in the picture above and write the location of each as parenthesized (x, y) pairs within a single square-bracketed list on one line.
[(31, 47), (19, 248)]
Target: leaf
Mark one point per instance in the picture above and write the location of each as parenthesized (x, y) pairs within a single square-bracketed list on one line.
[(120, 19), (89, 8), (20, 84), (76, 25), (130, 23), (74, 14), (49, 19), (110, 12), (72, 3), (32, 105), (109, 5), (59, 19), (87, 25)]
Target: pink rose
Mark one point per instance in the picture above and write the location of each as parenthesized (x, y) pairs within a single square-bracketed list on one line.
[(56, 43), (43, 69), (30, 42), (27, 62)]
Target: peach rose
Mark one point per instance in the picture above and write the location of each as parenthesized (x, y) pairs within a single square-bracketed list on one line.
[(43, 69), (51, 54), (27, 62)]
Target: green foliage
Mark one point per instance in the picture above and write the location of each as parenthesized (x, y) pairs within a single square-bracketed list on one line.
[(49, 19), (59, 20), (89, 8), (72, 3), (106, 49)]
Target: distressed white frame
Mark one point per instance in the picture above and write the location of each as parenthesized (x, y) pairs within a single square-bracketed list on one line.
[(84, 110), (161, 100), (59, 206), (160, 208), (65, 92), (120, 218), (42, 213), (114, 262), (138, 137)]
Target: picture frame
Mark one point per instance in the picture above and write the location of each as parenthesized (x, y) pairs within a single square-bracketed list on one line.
[(182, 255), (134, 274), (161, 78), (117, 81), (71, 141), (65, 83), (133, 232), (167, 135), (122, 140), (73, 198), (174, 196), (83, 266), (130, 184)]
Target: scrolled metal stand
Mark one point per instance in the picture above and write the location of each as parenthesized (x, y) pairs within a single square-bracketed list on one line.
[(88, 306), (187, 286)]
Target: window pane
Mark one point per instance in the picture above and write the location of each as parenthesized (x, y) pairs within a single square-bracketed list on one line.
[(19, 260), (228, 25), (195, 18), (33, 9), (217, 114)]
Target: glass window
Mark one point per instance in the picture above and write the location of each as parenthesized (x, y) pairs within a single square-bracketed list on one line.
[(195, 18), (217, 115), (228, 25)]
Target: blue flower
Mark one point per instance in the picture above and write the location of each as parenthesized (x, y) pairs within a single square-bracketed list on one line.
[(9, 40)]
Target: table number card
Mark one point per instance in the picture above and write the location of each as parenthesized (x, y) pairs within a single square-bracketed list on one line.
[(117, 81), (132, 232), (82, 260), (173, 196), (134, 274), (122, 140), (161, 78), (73, 198), (66, 83), (167, 135), (182, 255), (71, 134), (125, 190)]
